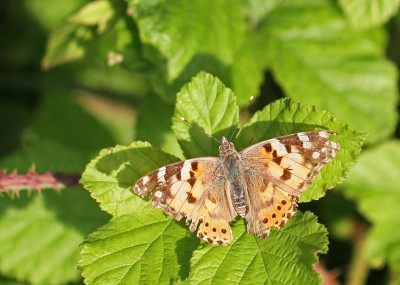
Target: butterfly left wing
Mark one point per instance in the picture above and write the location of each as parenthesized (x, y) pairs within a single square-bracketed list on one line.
[(195, 190), (278, 171)]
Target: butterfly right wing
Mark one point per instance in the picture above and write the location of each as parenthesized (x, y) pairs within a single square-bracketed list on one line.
[(193, 189), (278, 171)]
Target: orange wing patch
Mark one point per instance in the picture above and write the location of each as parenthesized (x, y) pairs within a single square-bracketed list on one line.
[(271, 206)]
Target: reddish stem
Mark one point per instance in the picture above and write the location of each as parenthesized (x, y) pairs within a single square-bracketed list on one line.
[(32, 181)]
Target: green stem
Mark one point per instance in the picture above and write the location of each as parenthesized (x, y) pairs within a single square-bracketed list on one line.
[(358, 270)]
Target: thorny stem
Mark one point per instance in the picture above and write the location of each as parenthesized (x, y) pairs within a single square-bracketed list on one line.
[(32, 181), (358, 270)]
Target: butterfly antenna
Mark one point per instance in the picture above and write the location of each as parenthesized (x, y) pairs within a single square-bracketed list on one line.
[(200, 130), (237, 127)]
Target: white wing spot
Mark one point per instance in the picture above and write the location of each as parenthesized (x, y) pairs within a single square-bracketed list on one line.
[(324, 149), (307, 145), (334, 145), (145, 180), (161, 174), (303, 137), (323, 134), (158, 194), (296, 157), (316, 155), (185, 171), (280, 147)]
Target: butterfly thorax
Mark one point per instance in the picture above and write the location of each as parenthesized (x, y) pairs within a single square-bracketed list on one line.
[(230, 161)]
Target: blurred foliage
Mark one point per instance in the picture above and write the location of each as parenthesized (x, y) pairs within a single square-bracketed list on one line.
[(79, 76)]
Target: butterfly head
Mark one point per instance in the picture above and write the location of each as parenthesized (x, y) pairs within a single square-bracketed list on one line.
[(226, 148)]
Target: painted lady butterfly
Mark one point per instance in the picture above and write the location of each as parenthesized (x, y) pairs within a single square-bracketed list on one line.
[(261, 183)]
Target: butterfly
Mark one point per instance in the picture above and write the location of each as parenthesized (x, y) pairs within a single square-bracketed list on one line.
[(261, 184)]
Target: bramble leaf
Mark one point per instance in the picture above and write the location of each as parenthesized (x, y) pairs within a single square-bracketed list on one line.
[(180, 45), (144, 247), (209, 107), (366, 14), (276, 260), (110, 176), (319, 60)]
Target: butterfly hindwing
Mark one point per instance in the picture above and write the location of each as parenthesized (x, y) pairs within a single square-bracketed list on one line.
[(270, 206)]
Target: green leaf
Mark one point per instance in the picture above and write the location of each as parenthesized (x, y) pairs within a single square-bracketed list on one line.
[(177, 40), (319, 60), (209, 107), (110, 176), (98, 12), (43, 233), (256, 10), (374, 184), (122, 39), (371, 13), (67, 43), (145, 247), (285, 257), (70, 41), (285, 117)]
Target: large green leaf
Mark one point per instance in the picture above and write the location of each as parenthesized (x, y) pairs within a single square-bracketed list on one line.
[(374, 184), (181, 38), (256, 10), (41, 234), (110, 176), (210, 109), (364, 14), (145, 247), (285, 257), (319, 60)]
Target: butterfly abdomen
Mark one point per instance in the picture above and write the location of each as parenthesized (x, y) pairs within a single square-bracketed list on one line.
[(239, 204), (234, 175)]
